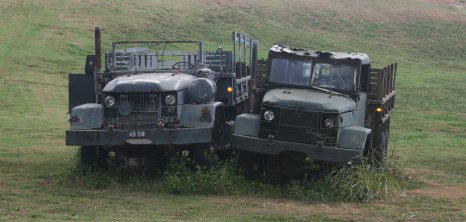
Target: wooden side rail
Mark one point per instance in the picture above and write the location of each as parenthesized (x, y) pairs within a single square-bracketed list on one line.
[(382, 84)]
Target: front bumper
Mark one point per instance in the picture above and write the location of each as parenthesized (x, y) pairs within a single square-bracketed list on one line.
[(331, 154), (176, 136)]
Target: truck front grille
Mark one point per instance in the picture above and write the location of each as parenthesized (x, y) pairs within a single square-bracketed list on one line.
[(140, 102), (297, 125), (144, 111), (299, 118), (306, 135)]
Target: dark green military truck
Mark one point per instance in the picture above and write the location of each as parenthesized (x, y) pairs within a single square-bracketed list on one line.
[(157, 99), (325, 106)]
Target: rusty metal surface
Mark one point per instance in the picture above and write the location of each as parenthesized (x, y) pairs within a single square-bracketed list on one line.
[(358, 57)]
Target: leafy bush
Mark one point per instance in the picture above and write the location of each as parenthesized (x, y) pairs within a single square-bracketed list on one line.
[(220, 179)]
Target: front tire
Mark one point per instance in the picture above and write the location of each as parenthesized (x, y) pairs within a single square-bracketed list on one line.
[(93, 156), (201, 154), (245, 161)]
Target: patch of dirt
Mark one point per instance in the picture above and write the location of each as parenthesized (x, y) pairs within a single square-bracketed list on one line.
[(8, 3), (444, 2), (447, 191), (289, 209), (452, 193)]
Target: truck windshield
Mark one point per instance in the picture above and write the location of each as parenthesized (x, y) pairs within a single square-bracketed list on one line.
[(290, 71), (334, 76)]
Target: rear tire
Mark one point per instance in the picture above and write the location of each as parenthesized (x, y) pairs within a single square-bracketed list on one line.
[(248, 162), (224, 154), (378, 150), (381, 149)]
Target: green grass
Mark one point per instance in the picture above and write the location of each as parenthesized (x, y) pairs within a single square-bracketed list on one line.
[(182, 177), (42, 42)]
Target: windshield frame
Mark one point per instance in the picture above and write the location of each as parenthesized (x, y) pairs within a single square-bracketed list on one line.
[(337, 81), (291, 81), (156, 60), (314, 62)]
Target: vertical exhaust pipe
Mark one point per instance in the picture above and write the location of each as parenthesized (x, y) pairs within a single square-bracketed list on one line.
[(98, 54), (255, 44), (98, 76), (253, 85)]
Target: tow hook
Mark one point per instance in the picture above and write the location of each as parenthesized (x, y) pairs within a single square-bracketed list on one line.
[(160, 123), (320, 146), (68, 117), (271, 140)]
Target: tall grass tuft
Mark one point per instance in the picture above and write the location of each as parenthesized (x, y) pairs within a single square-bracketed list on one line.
[(367, 183), (351, 183)]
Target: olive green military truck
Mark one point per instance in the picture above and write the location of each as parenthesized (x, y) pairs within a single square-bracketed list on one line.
[(154, 100), (324, 106)]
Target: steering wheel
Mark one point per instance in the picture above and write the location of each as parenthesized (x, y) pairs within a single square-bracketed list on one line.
[(190, 65)]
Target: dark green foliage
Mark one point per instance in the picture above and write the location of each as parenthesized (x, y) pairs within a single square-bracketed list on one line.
[(219, 179), (95, 177)]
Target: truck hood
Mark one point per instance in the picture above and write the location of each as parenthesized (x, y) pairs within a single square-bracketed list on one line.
[(308, 99), (150, 82)]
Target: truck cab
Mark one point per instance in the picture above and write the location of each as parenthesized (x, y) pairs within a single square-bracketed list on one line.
[(326, 106), (157, 99)]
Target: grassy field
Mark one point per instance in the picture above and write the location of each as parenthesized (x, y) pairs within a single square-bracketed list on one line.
[(43, 41)]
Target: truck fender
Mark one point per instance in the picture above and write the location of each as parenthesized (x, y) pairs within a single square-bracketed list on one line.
[(353, 137), (191, 114), (247, 124), (87, 116)]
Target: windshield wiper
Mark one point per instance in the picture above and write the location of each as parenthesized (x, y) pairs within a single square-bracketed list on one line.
[(329, 91)]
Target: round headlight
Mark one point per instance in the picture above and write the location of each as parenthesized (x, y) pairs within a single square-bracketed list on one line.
[(329, 122), (110, 101), (170, 100), (269, 115), (202, 90)]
